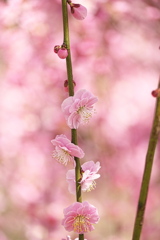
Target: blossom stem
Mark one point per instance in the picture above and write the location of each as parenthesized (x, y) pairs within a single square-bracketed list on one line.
[(66, 42), (77, 168), (147, 172)]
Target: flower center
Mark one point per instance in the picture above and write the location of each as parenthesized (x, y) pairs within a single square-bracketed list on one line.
[(85, 113), (62, 156), (81, 224)]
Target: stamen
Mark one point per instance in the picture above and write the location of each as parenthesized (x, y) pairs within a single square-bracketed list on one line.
[(86, 113), (92, 186), (62, 156), (81, 224)]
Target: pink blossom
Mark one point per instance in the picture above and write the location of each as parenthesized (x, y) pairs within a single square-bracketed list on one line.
[(79, 217), (65, 151), (89, 174), (79, 108), (78, 11), (62, 53)]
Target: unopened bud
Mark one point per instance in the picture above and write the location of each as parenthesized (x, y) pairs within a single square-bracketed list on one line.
[(62, 53), (66, 85), (56, 48), (78, 11), (156, 93)]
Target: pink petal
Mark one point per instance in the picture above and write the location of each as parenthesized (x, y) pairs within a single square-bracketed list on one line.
[(70, 174), (66, 105), (76, 151), (74, 120)]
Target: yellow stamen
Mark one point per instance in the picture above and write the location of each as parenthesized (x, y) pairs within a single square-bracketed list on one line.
[(92, 186), (85, 113), (81, 224), (62, 156)]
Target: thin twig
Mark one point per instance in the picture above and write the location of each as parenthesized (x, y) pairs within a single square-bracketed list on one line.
[(147, 172), (71, 93)]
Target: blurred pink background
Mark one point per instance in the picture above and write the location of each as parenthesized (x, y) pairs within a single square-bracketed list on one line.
[(115, 56)]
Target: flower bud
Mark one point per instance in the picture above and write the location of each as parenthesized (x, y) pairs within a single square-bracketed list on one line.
[(78, 11), (66, 85), (156, 93), (62, 53), (56, 48)]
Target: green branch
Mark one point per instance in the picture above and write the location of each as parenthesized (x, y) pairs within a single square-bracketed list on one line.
[(147, 173), (66, 42)]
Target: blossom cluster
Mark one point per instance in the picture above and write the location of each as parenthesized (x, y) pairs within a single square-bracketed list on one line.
[(78, 109)]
